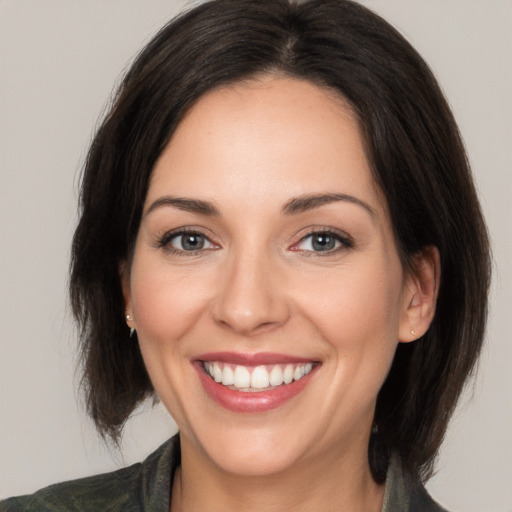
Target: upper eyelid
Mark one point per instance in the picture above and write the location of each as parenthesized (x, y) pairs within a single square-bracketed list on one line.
[(324, 230), (207, 241), (163, 240), (184, 230), (342, 239), (346, 241), (166, 236)]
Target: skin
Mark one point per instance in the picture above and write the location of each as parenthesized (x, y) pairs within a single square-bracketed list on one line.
[(259, 285)]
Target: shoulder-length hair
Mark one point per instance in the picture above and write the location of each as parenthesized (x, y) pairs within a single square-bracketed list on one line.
[(412, 144)]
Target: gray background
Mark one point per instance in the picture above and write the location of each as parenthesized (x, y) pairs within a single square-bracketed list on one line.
[(58, 62)]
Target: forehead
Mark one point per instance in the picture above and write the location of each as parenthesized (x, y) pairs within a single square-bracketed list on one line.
[(272, 136)]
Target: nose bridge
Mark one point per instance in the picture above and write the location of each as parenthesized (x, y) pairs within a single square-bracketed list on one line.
[(250, 298)]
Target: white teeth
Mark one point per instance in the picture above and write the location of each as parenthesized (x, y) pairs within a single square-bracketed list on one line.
[(217, 372), (276, 376), (259, 378), (242, 377), (228, 377), (288, 374), (245, 379)]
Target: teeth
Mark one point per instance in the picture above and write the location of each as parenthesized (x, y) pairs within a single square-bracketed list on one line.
[(260, 377), (228, 377), (217, 373), (288, 374), (242, 377), (276, 376)]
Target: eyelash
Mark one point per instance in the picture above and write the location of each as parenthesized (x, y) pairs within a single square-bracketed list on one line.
[(165, 241), (344, 241)]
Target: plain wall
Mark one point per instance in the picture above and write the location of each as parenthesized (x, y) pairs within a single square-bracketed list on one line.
[(59, 60)]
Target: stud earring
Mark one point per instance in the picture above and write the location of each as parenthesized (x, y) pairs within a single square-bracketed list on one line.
[(132, 329), (413, 332)]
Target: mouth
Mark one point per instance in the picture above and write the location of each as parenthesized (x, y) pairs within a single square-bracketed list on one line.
[(253, 383), (256, 378)]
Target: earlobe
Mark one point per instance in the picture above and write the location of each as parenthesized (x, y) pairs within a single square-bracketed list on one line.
[(420, 295)]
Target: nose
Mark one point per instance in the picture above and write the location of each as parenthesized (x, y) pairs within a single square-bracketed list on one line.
[(251, 299)]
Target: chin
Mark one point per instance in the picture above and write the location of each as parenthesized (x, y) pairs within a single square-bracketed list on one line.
[(257, 461), (252, 452)]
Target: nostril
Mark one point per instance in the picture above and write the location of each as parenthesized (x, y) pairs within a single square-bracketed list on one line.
[(249, 326)]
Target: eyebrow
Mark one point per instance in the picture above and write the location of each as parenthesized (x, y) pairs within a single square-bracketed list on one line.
[(294, 206), (189, 205), (308, 202)]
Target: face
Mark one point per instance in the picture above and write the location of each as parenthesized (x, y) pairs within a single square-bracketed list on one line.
[(265, 287)]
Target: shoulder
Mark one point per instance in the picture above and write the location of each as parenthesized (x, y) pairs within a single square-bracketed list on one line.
[(421, 501), (129, 489), (404, 493), (111, 491)]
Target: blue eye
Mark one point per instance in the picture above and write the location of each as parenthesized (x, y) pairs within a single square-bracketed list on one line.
[(324, 241), (186, 241)]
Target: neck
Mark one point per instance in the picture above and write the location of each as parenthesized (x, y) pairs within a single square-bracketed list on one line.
[(334, 481)]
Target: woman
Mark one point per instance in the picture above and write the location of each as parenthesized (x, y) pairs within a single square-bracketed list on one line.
[(280, 237)]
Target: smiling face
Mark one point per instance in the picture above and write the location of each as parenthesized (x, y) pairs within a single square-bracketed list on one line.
[(265, 261)]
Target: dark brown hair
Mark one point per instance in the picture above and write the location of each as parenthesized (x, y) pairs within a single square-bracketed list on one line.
[(415, 152)]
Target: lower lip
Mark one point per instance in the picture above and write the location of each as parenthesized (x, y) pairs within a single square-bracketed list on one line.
[(254, 401)]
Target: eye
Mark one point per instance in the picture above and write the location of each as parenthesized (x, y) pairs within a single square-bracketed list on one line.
[(186, 241), (323, 241)]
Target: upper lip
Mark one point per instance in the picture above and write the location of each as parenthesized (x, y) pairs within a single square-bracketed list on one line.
[(256, 359)]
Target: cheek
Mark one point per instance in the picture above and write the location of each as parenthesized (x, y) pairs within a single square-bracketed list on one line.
[(355, 302), (166, 304), (357, 314)]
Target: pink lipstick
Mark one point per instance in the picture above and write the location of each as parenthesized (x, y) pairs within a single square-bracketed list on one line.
[(253, 382)]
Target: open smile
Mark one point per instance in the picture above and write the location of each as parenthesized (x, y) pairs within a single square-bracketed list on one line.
[(256, 378), (253, 383)]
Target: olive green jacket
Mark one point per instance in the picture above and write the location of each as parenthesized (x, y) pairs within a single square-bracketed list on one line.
[(145, 487)]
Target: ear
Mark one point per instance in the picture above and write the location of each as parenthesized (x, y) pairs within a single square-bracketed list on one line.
[(421, 288), (124, 276)]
